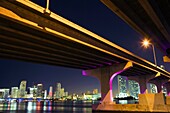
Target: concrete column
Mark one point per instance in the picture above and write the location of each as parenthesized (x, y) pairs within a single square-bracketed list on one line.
[(168, 91), (143, 85), (105, 87), (167, 85), (159, 87), (105, 76)]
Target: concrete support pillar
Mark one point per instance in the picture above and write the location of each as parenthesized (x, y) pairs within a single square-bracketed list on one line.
[(167, 85), (143, 85), (159, 86), (105, 76), (105, 87), (168, 91)]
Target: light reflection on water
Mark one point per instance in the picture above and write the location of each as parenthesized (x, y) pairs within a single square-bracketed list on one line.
[(126, 101), (50, 107), (44, 107)]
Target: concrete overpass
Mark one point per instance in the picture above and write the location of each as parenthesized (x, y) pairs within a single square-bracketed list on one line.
[(32, 33), (150, 18)]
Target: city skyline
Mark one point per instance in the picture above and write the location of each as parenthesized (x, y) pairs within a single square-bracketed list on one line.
[(94, 16), (23, 86), (37, 91), (125, 88)]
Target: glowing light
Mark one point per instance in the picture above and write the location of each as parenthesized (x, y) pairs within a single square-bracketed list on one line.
[(29, 107), (84, 73), (169, 94), (38, 106), (111, 79), (13, 106), (146, 43)]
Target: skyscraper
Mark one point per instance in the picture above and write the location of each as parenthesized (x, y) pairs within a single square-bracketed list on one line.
[(35, 91), (153, 88), (62, 92), (1, 93), (58, 86), (164, 90), (4, 93), (31, 92), (58, 91), (45, 94), (66, 94), (122, 86), (134, 89), (51, 92), (39, 90), (14, 92), (95, 91), (22, 89)]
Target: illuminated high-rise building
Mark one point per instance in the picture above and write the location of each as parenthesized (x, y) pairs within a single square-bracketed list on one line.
[(122, 86), (153, 88), (4, 93), (45, 94), (66, 94), (1, 93), (22, 89), (39, 90), (35, 91), (88, 92), (14, 92), (50, 92), (134, 89), (62, 92), (164, 90), (58, 91), (95, 91), (58, 86), (31, 92)]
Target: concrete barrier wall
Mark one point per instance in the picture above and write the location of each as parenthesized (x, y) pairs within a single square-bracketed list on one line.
[(152, 99), (168, 100)]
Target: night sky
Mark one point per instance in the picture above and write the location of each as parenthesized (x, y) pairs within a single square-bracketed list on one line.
[(92, 15)]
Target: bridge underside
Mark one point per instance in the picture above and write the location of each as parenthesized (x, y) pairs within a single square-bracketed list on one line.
[(29, 33), (49, 41), (150, 18), (24, 43), (29, 44)]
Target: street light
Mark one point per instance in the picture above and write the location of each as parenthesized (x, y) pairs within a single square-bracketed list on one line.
[(146, 43)]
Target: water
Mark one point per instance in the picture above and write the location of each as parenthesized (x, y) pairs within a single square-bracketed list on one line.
[(47, 107), (126, 101), (51, 107)]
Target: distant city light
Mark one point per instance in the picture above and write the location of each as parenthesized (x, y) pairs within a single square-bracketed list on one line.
[(38, 93)]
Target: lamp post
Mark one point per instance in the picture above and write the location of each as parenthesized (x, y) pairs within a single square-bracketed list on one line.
[(146, 43)]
